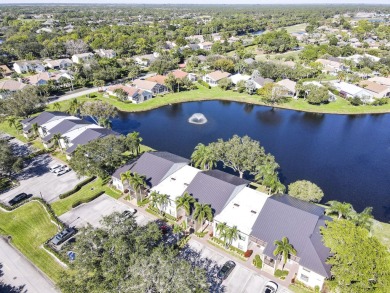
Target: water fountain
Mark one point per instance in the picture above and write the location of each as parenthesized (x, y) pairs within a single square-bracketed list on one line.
[(197, 118)]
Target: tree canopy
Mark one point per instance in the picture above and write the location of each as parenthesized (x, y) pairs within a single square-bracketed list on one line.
[(305, 190)]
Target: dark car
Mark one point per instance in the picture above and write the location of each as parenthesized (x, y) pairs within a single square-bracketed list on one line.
[(226, 269), (63, 235), (270, 287), (129, 213), (17, 199)]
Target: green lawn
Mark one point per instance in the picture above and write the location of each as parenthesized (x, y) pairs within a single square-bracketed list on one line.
[(341, 106), (296, 28), (86, 192), (5, 128), (30, 227)]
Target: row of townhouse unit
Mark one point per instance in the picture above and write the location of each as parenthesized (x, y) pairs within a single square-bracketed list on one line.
[(73, 130), (261, 219)]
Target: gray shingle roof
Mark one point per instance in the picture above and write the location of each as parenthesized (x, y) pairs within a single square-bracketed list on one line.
[(65, 126), (299, 221), (42, 118), (216, 188), (89, 135), (155, 166), (262, 81)]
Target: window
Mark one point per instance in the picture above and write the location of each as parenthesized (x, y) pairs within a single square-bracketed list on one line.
[(304, 278)]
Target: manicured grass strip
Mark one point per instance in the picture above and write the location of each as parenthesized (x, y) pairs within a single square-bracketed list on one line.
[(381, 231), (85, 194), (341, 106), (30, 226)]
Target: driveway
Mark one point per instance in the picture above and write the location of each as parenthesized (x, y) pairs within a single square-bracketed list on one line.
[(241, 279), (95, 210), (19, 272), (36, 179)]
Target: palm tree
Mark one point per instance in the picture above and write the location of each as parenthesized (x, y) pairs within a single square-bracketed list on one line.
[(154, 199), (268, 176), (57, 106), (133, 141), (163, 201), (232, 234), (341, 75), (342, 209), (203, 157), (105, 122), (185, 202), (13, 121), (222, 230), (74, 106), (137, 182), (56, 140), (364, 219), (202, 212), (284, 248), (125, 177), (35, 129)]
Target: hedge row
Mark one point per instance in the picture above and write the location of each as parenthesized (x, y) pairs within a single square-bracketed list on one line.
[(77, 187), (51, 212), (11, 208), (79, 202)]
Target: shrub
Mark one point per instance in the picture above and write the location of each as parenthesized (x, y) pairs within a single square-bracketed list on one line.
[(257, 262), (79, 202), (205, 84), (248, 253), (380, 102), (281, 274), (51, 212), (356, 101), (77, 187)]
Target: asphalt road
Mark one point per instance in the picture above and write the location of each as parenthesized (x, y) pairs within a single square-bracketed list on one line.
[(19, 273), (75, 95)]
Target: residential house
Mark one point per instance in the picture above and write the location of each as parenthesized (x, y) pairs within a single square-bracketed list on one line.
[(105, 53), (332, 96), (5, 71), (249, 61), (381, 80), (357, 58), (160, 79), (42, 119), (261, 81), (348, 90), (215, 188), (145, 60), (242, 211), (330, 66), (85, 137), (155, 166), (195, 39), (174, 186), (29, 66), (239, 77), (300, 223), (44, 77), (151, 86), (7, 87), (133, 94), (214, 77), (206, 46), (59, 63), (83, 57), (289, 86), (180, 74), (192, 76), (376, 89), (193, 47)]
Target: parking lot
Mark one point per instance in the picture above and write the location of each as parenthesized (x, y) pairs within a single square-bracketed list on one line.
[(241, 279), (36, 179), (95, 210)]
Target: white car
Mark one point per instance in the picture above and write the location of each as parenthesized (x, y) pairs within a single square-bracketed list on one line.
[(55, 168), (270, 287)]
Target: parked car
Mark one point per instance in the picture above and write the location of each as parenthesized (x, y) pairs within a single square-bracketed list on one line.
[(63, 235), (18, 198), (62, 170), (55, 168), (129, 213), (270, 287), (226, 269)]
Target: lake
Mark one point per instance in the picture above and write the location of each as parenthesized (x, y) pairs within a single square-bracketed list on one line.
[(347, 156)]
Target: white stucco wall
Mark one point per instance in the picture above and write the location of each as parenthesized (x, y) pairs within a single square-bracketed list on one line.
[(313, 280)]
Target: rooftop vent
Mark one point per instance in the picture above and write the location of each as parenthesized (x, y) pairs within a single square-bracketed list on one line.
[(253, 212), (236, 205), (173, 178), (186, 184)]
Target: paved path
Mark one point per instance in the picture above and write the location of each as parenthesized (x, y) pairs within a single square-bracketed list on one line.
[(18, 271), (75, 94)]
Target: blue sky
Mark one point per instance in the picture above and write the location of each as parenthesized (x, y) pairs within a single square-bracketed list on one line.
[(203, 1)]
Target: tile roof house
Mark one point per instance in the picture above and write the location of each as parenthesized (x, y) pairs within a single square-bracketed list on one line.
[(133, 94), (377, 90), (179, 73), (78, 58), (289, 85), (5, 71), (30, 65), (151, 86), (44, 77), (155, 166), (300, 223), (261, 81), (330, 66), (381, 80), (158, 79), (58, 63), (213, 77), (9, 86)]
